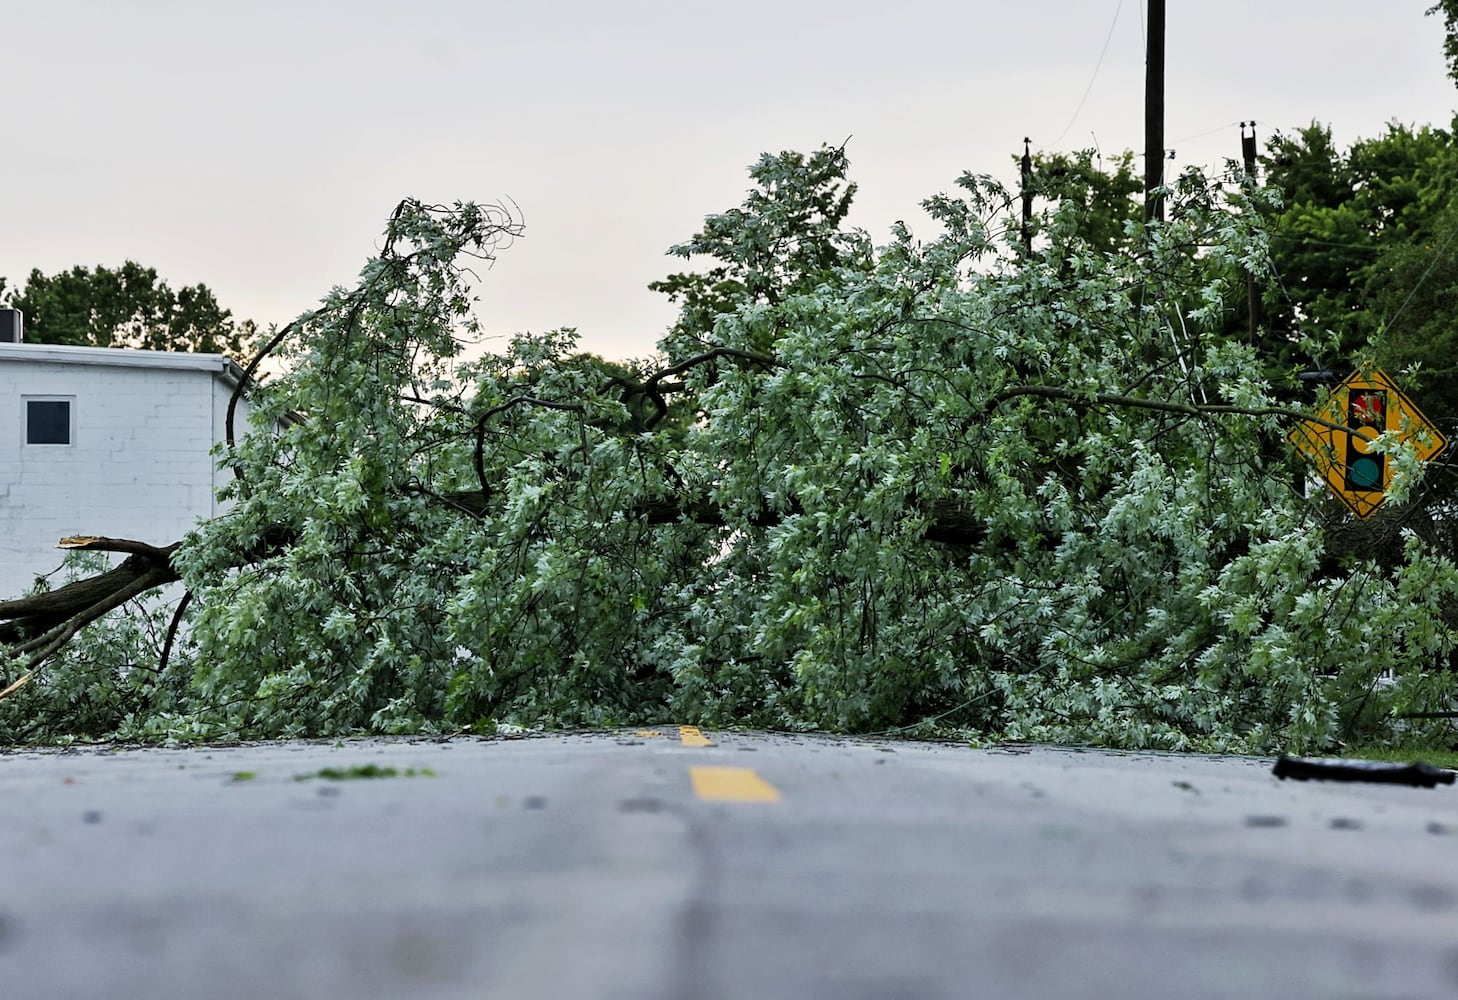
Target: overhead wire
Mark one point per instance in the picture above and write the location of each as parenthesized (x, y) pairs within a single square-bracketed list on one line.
[(1311, 241), (1098, 66), (1427, 273), (1201, 135), (1387, 321)]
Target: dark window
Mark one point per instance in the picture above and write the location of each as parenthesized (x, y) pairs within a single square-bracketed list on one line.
[(47, 421)]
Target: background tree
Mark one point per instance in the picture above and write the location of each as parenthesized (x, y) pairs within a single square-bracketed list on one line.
[(1415, 285), (1344, 240), (129, 306), (1449, 10), (1107, 196)]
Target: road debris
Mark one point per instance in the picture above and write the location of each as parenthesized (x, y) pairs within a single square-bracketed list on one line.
[(1416, 774)]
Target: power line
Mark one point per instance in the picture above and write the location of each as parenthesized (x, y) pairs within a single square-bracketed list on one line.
[(1201, 135), (1437, 257), (1310, 241), (1089, 89)]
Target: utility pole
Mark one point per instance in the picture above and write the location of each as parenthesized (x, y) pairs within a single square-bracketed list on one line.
[(1252, 295), (1154, 112), (1027, 195)]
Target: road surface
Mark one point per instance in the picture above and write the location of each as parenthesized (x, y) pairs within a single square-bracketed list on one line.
[(682, 865)]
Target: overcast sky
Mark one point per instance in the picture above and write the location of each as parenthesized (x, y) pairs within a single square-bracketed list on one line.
[(257, 146)]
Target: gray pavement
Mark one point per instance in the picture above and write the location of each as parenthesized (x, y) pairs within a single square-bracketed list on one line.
[(644, 866)]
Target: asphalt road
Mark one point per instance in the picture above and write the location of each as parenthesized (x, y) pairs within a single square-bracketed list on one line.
[(697, 867)]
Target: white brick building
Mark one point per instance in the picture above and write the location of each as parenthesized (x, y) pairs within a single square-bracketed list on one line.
[(105, 441)]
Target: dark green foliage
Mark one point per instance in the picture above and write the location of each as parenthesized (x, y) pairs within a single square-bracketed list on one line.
[(1106, 197), (128, 306), (1449, 10), (1361, 248)]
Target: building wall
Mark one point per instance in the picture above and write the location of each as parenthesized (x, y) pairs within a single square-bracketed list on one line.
[(138, 465)]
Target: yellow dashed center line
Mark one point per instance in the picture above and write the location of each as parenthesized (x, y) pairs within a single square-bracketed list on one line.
[(691, 736), (732, 784)]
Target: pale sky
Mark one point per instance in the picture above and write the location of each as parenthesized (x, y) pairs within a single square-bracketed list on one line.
[(257, 146)]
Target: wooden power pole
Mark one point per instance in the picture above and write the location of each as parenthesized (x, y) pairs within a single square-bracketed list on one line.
[(1252, 293), (1027, 165), (1154, 112)]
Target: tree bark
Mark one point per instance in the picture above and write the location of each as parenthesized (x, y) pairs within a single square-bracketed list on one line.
[(36, 628), (30, 616)]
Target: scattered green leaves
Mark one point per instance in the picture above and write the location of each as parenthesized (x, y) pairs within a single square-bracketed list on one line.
[(365, 771)]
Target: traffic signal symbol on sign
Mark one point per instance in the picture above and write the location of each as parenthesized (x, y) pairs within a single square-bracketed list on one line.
[(1366, 471), (1338, 442)]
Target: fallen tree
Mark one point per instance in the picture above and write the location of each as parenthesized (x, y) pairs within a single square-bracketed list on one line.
[(1027, 492)]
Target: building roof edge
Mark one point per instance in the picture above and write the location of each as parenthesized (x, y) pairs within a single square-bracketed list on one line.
[(219, 365)]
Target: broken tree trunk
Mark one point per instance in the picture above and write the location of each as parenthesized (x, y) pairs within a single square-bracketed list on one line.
[(35, 628)]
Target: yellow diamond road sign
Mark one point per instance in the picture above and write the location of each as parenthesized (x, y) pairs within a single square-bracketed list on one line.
[(1366, 405)]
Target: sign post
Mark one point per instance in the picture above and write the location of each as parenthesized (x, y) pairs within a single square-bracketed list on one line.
[(1364, 405)]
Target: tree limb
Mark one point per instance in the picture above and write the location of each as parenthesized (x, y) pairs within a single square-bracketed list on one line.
[(1165, 406), (26, 616), (100, 543), (50, 642), (717, 352)]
